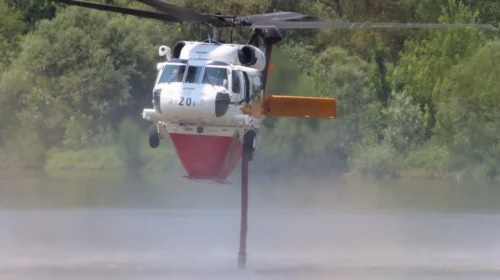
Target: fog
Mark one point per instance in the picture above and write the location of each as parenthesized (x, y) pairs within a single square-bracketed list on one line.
[(88, 226)]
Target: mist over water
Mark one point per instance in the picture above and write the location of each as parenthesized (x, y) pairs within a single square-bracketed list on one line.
[(104, 226)]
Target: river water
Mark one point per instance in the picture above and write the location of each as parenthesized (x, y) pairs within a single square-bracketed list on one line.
[(117, 226)]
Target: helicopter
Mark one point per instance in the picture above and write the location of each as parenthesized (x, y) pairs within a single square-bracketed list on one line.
[(210, 97)]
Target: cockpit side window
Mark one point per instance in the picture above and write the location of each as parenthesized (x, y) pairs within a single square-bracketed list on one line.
[(217, 76), (172, 73), (236, 81), (193, 74)]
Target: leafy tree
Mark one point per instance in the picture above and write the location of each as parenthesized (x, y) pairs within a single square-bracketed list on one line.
[(488, 9), (423, 64), (11, 27), (405, 124), (71, 77), (335, 74), (81, 63), (469, 116), (33, 11)]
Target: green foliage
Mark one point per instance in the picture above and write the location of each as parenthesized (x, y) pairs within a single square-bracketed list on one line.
[(101, 158), (129, 144), (27, 151), (78, 132), (337, 74), (33, 11), (378, 82), (404, 129), (379, 161), (424, 63), (82, 64), (11, 28), (469, 115), (431, 158), (73, 82), (287, 77)]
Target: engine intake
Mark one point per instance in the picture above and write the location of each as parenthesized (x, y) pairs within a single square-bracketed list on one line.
[(176, 51), (251, 56), (246, 55)]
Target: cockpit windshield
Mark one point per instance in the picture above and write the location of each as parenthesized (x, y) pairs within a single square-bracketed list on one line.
[(172, 73), (212, 75), (217, 76)]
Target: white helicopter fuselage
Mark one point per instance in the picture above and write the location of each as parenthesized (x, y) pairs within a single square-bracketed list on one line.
[(198, 99), (195, 105)]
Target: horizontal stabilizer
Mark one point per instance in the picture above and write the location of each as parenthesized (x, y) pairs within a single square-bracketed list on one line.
[(299, 106)]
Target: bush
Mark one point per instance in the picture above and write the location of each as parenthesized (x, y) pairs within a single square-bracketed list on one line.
[(379, 161), (129, 145)]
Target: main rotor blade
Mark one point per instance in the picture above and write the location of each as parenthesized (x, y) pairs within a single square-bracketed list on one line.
[(273, 16), (121, 10), (184, 14), (358, 25)]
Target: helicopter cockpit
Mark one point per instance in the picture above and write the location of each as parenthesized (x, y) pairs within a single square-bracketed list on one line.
[(244, 86), (174, 71)]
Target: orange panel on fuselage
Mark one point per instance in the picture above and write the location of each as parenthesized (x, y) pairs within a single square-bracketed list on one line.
[(207, 157)]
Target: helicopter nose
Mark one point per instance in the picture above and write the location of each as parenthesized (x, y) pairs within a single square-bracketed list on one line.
[(192, 106), (203, 106)]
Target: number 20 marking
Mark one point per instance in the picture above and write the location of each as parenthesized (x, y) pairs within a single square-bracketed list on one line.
[(188, 101)]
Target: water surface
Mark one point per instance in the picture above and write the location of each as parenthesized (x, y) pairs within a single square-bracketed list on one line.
[(108, 226)]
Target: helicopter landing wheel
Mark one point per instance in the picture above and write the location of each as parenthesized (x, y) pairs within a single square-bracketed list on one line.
[(154, 136), (249, 143)]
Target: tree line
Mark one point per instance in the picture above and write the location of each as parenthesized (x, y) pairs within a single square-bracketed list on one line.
[(421, 102)]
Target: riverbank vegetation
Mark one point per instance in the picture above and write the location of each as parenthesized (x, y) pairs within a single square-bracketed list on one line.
[(73, 82)]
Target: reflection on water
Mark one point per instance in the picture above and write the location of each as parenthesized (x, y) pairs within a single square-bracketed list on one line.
[(24, 190), (95, 226)]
